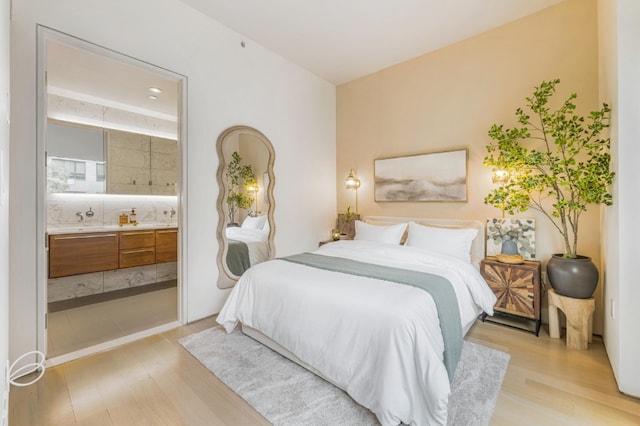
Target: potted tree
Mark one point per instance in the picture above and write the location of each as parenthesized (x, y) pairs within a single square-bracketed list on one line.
[(238, 177), (558, 164)]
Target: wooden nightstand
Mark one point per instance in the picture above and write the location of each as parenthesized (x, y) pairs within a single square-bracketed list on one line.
[(518, 290)]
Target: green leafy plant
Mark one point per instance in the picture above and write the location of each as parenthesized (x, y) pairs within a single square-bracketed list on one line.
[(238, 177), (557, 162), (348, 218)]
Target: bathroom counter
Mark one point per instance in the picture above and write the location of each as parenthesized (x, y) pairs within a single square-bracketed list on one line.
[(108, 228)]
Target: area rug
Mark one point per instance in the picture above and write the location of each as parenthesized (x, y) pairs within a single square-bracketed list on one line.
[(287, 394)]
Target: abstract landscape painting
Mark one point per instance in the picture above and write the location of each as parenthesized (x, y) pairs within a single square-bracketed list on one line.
[(439, 176)]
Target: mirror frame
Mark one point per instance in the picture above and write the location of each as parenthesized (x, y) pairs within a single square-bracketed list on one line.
[(226, 278)]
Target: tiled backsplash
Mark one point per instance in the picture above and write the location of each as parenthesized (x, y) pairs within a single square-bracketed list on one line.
[(150, 209)]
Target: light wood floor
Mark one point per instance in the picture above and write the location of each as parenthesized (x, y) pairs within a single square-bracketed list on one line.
[(156, 382), (84, 326)]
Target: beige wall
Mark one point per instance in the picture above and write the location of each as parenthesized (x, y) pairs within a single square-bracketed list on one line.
[(450, 98)]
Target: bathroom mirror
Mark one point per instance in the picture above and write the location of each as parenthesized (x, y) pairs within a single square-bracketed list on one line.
[(245, 204), (93, 160)]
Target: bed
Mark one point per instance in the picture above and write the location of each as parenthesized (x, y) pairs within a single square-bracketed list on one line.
[(248, 244), (388, 345)]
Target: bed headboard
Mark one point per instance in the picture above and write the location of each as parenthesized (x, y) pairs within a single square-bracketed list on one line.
[(477, 246)]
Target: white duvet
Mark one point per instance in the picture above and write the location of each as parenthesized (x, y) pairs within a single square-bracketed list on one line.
[(377, 340), (256, 241)]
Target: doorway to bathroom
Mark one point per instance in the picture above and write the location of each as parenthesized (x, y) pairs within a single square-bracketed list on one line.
[(112, 147)]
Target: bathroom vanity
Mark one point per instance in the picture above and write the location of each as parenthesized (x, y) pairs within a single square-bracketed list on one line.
[(93, 260), (85, 252)]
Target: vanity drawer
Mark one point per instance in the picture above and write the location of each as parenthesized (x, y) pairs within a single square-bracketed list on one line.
[(137, 248), (72, 254), (137, 257), (137, 239), (166, 245)]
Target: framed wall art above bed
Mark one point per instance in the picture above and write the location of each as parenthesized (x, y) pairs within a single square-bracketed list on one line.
[(437, 176)]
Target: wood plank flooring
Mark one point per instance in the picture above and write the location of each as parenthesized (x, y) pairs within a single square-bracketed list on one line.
[(154, 381)]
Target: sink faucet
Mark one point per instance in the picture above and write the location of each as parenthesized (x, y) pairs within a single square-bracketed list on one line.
[(172, 212), (80, 215)]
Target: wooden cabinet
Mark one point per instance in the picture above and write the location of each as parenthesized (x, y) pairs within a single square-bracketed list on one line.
[(137, 248), (517, 288), (72, 254), (166, 245)]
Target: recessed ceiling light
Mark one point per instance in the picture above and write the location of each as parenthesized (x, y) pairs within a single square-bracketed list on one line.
[(155, 90), (153, 97)]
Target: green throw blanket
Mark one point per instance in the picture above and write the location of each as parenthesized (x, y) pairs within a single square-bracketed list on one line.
[(438, 287), (237, 257)]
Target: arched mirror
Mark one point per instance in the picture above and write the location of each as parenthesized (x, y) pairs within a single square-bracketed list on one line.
[(245, 202)]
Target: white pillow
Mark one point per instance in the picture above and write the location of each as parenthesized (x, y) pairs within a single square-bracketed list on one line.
[(254, 222), (389, 234), (453, 242)]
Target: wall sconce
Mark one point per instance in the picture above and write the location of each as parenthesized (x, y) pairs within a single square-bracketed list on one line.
[(502, 177), (253, 187), (352, 182)]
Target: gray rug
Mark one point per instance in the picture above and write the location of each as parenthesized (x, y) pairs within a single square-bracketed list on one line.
[(287, 394)]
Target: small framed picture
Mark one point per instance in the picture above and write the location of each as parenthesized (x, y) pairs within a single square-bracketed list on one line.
[(511, 236)]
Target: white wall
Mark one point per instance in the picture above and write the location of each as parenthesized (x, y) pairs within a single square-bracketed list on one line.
[(620, 85), (4, 199), (227, 85)]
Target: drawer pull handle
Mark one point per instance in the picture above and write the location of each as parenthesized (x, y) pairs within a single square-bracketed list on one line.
[(137, 251), (85, 236)]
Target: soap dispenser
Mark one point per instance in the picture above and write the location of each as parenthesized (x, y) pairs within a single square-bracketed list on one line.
[(133, 220)]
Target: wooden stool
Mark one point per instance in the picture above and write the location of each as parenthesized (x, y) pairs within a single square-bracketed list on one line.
[(579, 314)]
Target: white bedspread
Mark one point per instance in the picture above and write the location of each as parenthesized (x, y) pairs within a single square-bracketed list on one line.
[(256, 241), (377, 340)]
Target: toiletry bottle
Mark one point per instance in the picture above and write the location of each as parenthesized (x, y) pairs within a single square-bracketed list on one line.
[(133, 217), (123, 219)]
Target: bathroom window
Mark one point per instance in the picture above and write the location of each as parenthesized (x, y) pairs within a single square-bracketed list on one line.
[(100, 172), (78, 176), (73, 170)]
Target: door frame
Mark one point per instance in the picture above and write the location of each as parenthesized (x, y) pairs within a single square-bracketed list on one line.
[(43, 34)]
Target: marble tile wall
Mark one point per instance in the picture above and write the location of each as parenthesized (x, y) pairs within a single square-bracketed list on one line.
[(65, 288), (65, 108), (152, 209), (141, 164)]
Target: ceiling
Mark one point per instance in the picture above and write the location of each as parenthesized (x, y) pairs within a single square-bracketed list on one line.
[(341, 40), (91, 74), (337, 40)]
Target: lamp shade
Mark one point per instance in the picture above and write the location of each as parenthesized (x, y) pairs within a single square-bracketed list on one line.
[(500, 176), (352, 182)]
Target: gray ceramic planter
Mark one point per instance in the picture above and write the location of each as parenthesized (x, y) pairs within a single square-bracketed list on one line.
[(577, 278)]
